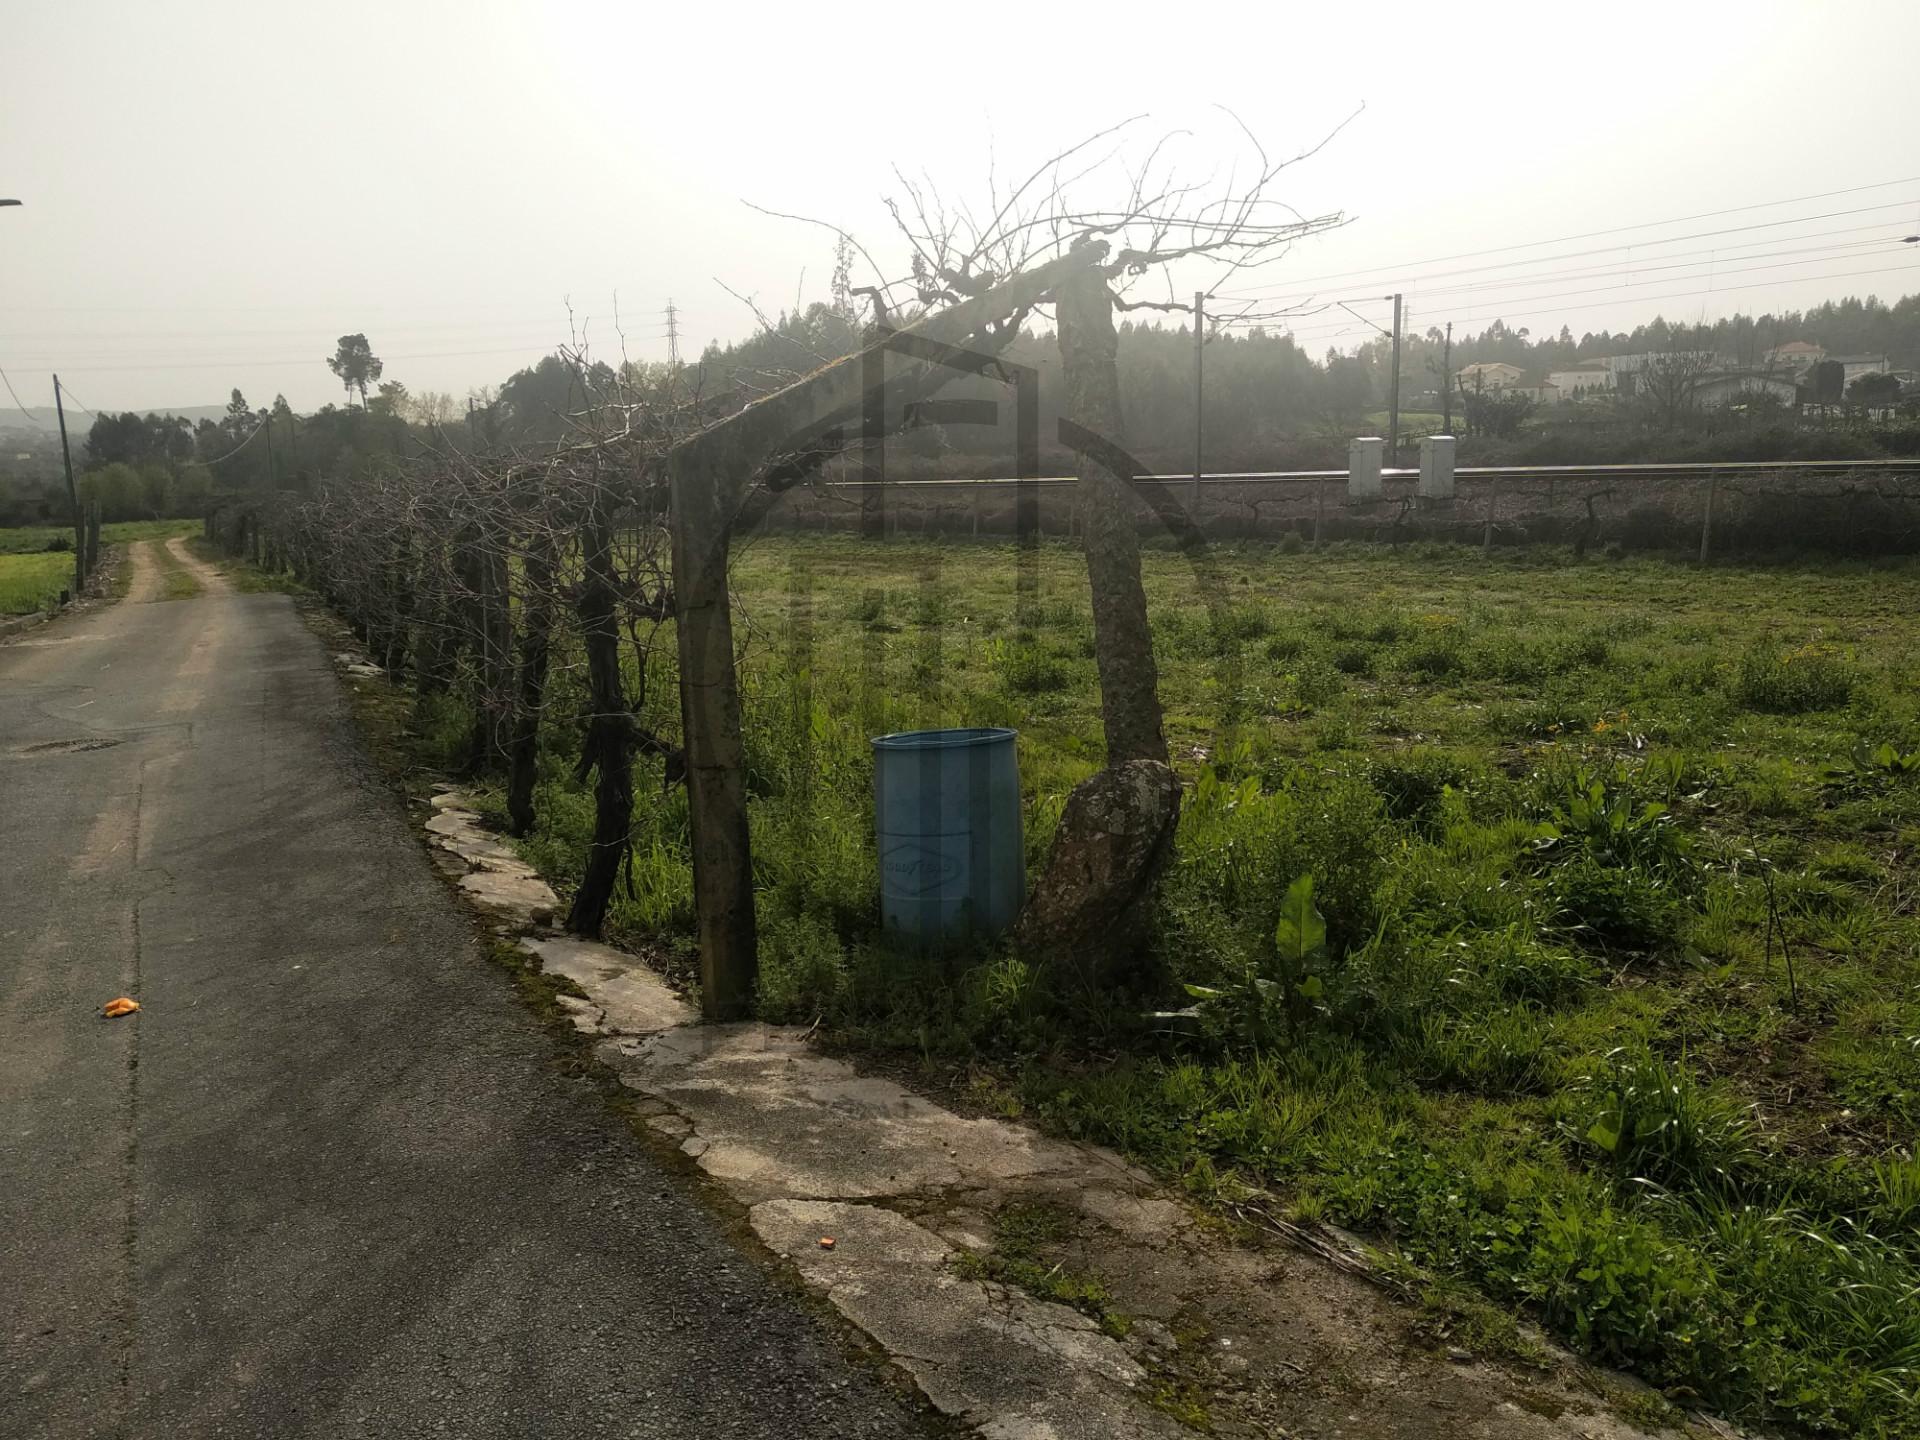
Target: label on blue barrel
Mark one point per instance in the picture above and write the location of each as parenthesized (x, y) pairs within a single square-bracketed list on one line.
[(915, 867)]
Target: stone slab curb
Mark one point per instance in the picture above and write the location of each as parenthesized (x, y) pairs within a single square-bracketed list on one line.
[(498, 880), (899, 1187), (799, 1137)]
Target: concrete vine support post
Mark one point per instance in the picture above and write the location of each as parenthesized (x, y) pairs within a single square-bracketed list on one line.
[(710, 723), (1706, 520)]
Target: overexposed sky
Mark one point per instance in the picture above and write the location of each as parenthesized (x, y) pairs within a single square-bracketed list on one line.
[(215, 191)]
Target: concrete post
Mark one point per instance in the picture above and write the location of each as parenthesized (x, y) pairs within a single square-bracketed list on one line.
[(1363, 469), (1706, 520), (1436, 468)]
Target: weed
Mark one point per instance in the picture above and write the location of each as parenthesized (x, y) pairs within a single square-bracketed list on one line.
[(1413, 783), (1654, 1122), (1794, 682), (1024, 1236)]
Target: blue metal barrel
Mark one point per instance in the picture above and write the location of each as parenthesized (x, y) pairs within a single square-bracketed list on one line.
[(946, 807)]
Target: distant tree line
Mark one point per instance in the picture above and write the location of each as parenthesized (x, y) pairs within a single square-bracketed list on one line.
[(1268, 402)]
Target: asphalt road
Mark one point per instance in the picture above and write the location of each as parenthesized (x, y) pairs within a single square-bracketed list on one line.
[(327, 1182)]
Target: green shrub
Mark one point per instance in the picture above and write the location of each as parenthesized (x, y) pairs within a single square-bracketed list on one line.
[(1434, 653), (1316, 683), (1032, 669), (802, 967), (1612, 907), (1652, 1121), (1288, 645), (1602, 817), (1353, 659), (1625, 1290), (1794, 682), (1413, 783), (1503, 1052), (1515, 966)]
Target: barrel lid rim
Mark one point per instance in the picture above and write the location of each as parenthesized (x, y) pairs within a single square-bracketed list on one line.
[(946, 739)]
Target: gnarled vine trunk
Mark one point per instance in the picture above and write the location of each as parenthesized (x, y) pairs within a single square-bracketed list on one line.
[(610, 729)]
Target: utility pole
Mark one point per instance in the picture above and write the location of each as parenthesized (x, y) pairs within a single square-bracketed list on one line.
[(1393, 407), (267, 425), (1199, 419), (673, 335), (1446, 383), (73, 496)]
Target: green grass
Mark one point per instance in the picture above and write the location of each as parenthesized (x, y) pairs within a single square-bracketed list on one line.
[(26, 539), (32, 577), (176, 581), (33, 582), (1027, 1242), (1558, 821), (243, 576)]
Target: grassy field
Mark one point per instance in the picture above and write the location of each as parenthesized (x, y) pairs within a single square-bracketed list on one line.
[(33, 582), (1604, 1002), (32, 577)]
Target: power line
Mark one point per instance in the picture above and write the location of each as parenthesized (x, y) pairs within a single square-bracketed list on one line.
[(1519, 291), (1603, 304), (1476, 298), (1648, 225), (222, 459), (17, 405), (1680, 260), (68, 391), (164, 364), (1393, 275)]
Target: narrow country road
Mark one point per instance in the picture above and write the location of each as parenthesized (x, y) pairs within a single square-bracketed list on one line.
[(327, 1182)]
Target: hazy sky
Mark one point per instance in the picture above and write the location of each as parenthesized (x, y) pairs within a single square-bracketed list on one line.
[(215, 191)]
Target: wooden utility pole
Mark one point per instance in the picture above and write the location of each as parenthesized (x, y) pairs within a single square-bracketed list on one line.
[(1199, 420), (1393, 409), (73, 497), (1446, 383)]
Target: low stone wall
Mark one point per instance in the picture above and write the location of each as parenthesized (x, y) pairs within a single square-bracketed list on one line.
[(1863, 512)]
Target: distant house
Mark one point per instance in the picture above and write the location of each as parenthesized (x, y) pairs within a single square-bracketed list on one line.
[(1852, 367), (1795, 355), (1490, 375), (1731, 387), (1589, 378)]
